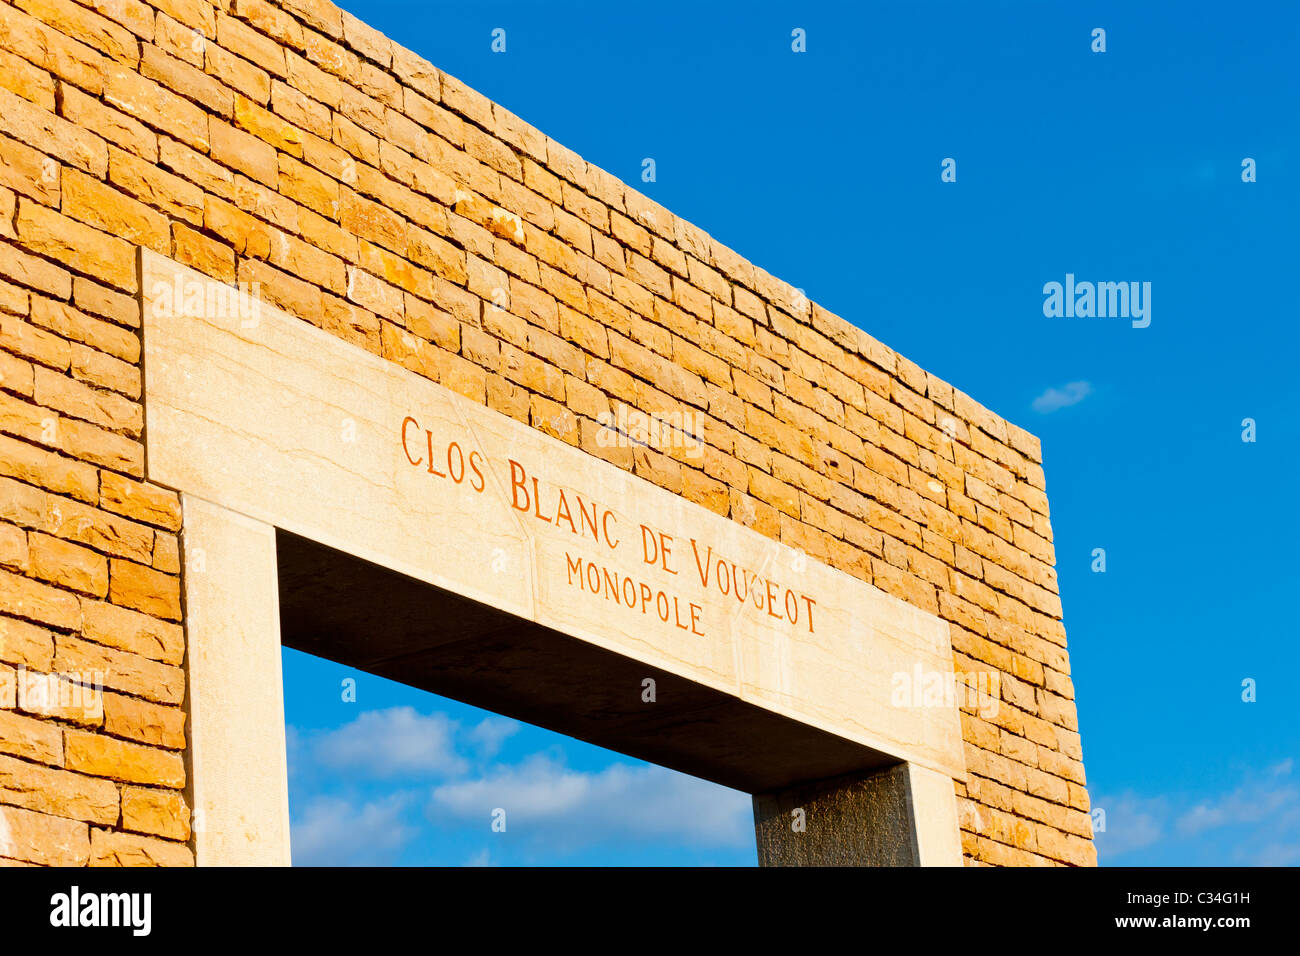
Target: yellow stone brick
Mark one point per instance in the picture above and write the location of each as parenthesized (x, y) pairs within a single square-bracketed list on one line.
[(707, 491), (57, 237), (140, 500), (509, 399), (120, 670), (46, 469), (282, 290), (133, 631), (437, 254), (375, 294), (148, 101), (90, 28), (248, 236), (465, 101), (12, 299), (350, 322), (68, 565), (43, 838), (110, 848), (142, 588), (238, 73), (166, 553), (29, 172), (194, 171), (410, 351), (96, 368), (203, 253), (71, 696), (34, 601), (186, 79), (657, 468), (312, 81), (29, 82), (246, 42), (36, 273), (101, 756), (462, 377), (51, 50), (371, 221), (87, 442), (77, 399), (14, 552), (481, 348), (554, 419), (395, 270), (416, 72), (30, 738), (29, 124), (243, 152), (26, 644), (308, 186), (161, 813), (16, 375), (432, 324), (309, 264), (102, 301), (178, 40), (143, 721), (361, 113), (57, 792)]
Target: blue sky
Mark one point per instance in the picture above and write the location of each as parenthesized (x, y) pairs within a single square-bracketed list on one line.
[(824, 168)]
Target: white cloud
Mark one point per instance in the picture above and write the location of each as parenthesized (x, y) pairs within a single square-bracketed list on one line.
[(334, 832), (1270, 799), (556, 808), (1256, 823), (1132, 822), (1279, 854), (1054, 399), (566, 808), (491, 732), (387, 743)]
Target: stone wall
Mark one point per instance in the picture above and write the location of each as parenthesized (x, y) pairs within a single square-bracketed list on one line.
[(291, 147)]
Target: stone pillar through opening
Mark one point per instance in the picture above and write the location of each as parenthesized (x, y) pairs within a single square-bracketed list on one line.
[(903, 815)]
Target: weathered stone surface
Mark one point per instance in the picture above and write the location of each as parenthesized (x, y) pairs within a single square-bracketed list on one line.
[(30, 738), (57, 792), (109, 848), (141, 501), (144, 589), (120, 670), (133, 631), (860, 821), (27, 644), (25, 598), (143, 721), (43, 839), (79, 246), (101, 756), (157, 812)]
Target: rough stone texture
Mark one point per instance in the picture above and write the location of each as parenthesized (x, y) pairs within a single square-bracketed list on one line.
[(862, 821), (378, 198)]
